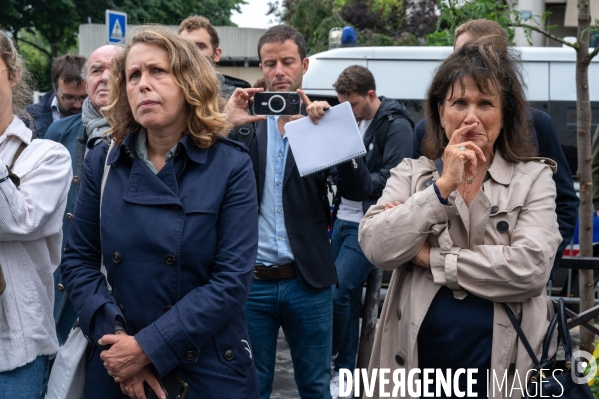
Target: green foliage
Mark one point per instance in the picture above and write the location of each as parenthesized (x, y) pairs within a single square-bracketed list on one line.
[(49, 28), (377, 22), (314, 19), (440, 38)]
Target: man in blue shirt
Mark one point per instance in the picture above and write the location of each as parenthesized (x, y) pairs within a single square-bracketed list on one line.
[(294, 267)]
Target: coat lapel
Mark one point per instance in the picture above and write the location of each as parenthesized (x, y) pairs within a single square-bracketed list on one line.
[(290, 166), (262, 143)]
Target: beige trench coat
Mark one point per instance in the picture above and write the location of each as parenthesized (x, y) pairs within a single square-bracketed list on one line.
[(472, 256)]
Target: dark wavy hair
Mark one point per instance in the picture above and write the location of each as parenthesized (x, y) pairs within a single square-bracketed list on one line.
[(494, 67)]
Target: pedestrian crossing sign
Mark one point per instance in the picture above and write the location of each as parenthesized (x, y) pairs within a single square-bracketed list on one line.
[(116, 26)]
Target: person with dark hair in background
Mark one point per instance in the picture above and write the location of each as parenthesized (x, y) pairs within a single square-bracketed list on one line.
[(79, 133), (176, 225), (34, 180), (67, 97), (294, 269), (200, 31), (386, 129), (541, 128), (466, 228)]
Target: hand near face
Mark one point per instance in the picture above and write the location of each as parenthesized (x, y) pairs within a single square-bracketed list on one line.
[(125, 357), (238, 105), (459, 159)]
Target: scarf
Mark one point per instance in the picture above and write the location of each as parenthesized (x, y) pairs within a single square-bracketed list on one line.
[(95, 125)]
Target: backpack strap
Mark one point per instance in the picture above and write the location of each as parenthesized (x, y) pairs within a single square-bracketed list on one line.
[(246, 134), (14, 178)]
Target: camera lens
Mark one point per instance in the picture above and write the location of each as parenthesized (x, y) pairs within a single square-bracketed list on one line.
[(293, 98), (276, 103)]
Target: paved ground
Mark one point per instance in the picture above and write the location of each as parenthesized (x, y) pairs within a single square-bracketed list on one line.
[(284, 385)]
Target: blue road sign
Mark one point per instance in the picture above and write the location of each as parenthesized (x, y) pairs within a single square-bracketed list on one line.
[(116, 26)]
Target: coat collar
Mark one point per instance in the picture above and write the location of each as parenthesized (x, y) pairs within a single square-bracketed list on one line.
[(17, 128), (127, 147), (501, 170)]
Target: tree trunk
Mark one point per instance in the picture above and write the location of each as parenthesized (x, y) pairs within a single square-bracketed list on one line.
[(583, 122)]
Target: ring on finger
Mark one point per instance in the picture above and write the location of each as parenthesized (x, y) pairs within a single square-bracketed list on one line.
[(126, 389), (463, 148)]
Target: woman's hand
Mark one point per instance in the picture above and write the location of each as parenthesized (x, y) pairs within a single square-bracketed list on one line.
[(456, 162), (389, 205), (423, 257), (125, 357), (134, 386)]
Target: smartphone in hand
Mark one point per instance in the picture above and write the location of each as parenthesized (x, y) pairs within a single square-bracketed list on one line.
[(175, 388), (277, 103)]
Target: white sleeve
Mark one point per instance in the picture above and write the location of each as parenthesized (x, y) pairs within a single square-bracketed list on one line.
[(35, 209)]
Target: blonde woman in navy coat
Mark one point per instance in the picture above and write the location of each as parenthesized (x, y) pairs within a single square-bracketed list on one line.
[(178, 232)]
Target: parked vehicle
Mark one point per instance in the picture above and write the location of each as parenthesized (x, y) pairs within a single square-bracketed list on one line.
[(404, 73)]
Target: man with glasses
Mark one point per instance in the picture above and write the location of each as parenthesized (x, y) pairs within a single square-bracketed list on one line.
[(67, 97), (200, 31)]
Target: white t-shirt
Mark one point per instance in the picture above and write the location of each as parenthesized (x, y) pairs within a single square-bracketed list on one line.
[(352, 211)]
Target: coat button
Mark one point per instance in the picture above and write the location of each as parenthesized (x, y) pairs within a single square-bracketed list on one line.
[(116, 257), (494, 209), (75, 179), (189, 355), (61, 287), (399, 359), (503, 226), (229, 354), (398, 314), (175, 207), (429, 183), (69, 216), (167, 308), (169, 259)]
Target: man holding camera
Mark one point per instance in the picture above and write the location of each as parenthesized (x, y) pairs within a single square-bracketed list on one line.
[(294, 267)]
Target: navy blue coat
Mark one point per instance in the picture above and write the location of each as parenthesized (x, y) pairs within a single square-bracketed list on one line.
[(41, 113), (179, 249)]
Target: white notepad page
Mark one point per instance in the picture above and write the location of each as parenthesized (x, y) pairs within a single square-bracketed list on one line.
[(334, 140)]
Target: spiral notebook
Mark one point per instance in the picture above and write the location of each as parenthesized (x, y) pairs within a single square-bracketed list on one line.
[(334, 140)]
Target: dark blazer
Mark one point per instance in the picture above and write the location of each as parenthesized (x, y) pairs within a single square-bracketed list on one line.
[(67, 131), (179, 248), (304, 203), (549, 145), (41, 113)]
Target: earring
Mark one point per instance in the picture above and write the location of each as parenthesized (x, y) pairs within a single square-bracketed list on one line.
[(442, 123), (502, 125)]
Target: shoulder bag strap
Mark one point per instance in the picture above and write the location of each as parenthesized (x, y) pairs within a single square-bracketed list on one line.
[(14, 178), (104, 178), (521, 335)]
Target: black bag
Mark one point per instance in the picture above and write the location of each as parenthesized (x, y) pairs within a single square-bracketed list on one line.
[(553, 384)]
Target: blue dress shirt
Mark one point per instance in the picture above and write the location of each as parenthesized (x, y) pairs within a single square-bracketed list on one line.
[(273, 242)]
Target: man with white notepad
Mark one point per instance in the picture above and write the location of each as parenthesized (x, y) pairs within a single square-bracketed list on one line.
[(295, 269), (386, 130)]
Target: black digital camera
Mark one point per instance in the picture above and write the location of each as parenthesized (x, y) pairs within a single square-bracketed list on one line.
[(277, 103)]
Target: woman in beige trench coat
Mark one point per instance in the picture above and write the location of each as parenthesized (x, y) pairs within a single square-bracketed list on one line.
[(468, 227)]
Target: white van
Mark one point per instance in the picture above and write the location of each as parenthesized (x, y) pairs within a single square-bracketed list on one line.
[(404, 73)]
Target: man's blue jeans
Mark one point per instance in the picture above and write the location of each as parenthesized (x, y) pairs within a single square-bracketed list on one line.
[(306, 318), (26, 382), (352, 270)]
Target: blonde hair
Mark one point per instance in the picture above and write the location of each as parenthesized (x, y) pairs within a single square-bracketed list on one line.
[(22, 93), (191, 71)]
